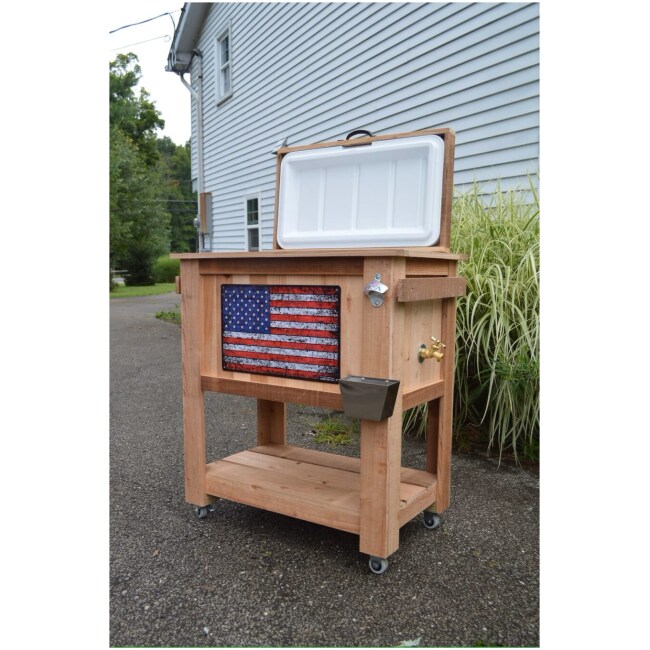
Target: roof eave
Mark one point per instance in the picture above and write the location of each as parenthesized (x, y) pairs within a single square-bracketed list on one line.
[(186, 36)]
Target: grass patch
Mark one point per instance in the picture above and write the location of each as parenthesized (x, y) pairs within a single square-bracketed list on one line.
[(122, 291), (336, 430), (172, 316)]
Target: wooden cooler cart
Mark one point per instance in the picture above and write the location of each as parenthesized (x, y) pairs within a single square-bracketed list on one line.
[(391, 301)]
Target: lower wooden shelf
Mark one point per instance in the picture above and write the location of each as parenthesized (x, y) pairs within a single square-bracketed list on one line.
[(312, 485)]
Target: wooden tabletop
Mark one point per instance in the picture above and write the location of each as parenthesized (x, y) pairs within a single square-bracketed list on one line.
[(415, 251)]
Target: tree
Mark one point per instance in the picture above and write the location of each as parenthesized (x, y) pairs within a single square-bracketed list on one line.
[(133, 113), (176, 169), (139, 222)]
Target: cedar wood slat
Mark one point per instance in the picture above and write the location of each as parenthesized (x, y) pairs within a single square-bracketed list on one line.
[(345, 463), (311, 485), (410, 252), (430, 288), (279, 493), (326, 396)]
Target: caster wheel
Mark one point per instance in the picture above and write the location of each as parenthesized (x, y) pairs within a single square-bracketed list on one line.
[(378, 565), (431, 520), (203, 511)]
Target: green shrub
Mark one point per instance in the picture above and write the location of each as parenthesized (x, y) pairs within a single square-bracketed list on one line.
[(165, 269), (138, 263), (497, 330)]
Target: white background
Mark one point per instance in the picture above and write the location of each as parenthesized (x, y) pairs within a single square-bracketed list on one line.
[(54, 305)]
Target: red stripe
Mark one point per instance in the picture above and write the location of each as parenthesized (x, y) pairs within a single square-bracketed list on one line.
[(323, 334), (325, 291), (282, 357), (304, 319), (275, 371), (304, 304), (282, 344)]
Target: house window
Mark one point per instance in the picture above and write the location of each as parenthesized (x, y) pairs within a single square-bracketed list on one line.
[(252, 208), (224, 65)]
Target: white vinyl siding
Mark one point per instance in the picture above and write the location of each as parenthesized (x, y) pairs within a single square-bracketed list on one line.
[(473, 67)]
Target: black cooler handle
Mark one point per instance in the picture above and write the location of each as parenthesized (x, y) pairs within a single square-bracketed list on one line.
[(357, 132)]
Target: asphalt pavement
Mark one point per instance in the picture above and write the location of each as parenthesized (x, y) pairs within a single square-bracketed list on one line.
[(245, 577)]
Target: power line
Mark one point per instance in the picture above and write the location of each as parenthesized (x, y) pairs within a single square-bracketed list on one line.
[(167, 36), (147, 20)]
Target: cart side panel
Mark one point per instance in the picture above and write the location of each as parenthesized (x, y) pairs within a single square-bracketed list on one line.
[(422, 320)]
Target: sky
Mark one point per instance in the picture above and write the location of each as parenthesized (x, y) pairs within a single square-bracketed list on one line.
[(151, 42)]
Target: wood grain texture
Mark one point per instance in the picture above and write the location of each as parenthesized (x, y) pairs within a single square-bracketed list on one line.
[(415, 252), (446, 407), (447, 189), (433, 427), (286, 267), (193, 403), (422, 320), (365, 140), (277, 390), (346, 463), (271, 422), (426, 267), (308, 484), (211, 318), (381, 441), (418, 396), (414, 289), (281, 492), (278, 166)]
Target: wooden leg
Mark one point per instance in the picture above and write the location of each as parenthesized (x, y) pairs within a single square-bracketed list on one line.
[(381, 452), (381, 442), (271, 422), (193, 402), (433, 422), (446, 406)]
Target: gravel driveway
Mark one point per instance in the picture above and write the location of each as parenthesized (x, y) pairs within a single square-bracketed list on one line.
[(246, 577)]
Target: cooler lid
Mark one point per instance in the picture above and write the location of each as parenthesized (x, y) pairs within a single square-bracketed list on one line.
[(386, 193)]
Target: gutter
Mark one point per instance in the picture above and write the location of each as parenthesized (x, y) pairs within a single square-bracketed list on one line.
[(180, 59), (197, 95)]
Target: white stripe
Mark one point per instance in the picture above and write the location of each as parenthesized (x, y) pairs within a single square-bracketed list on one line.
[(304, 297), (284, 365), (285, 351), (304, 312), (280, 324), (284, 338)]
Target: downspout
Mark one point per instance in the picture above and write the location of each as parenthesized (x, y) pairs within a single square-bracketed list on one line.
[(198, 98)]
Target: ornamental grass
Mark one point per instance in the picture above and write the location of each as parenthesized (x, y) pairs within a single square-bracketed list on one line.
[(497, 326)]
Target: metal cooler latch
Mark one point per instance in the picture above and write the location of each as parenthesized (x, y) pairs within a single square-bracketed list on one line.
[(375, 291)]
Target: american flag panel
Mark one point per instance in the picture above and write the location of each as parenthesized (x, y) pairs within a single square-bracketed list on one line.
[(282, 330)]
